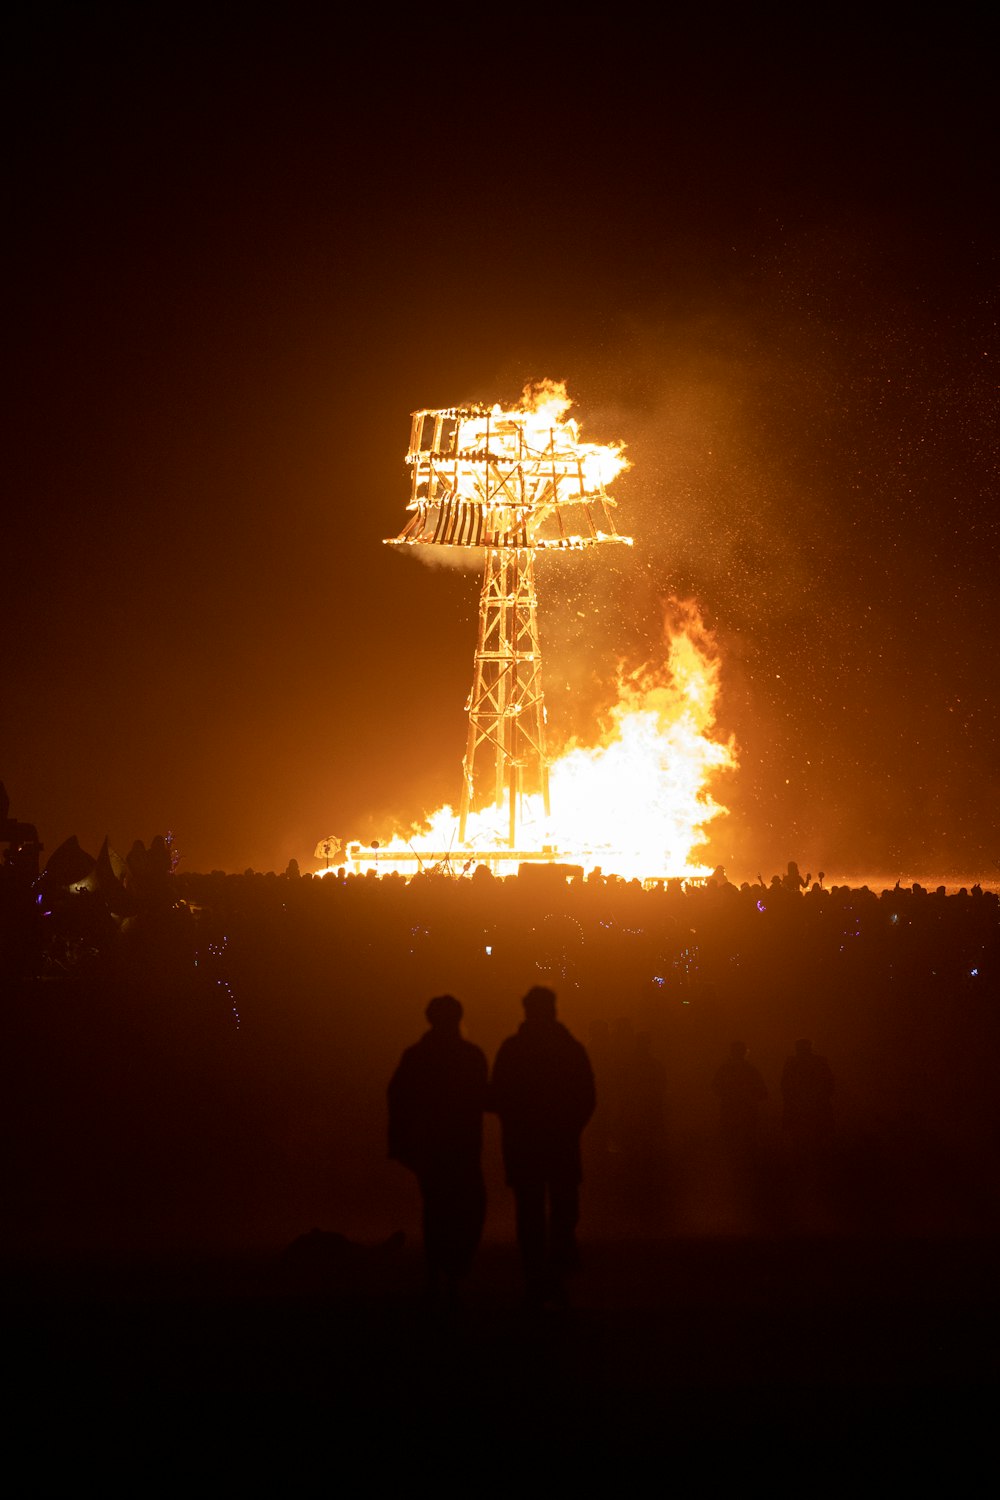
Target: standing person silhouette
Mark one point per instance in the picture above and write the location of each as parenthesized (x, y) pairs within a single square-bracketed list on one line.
[(807, 1092), (543, 1091), (741, 1091), (437, 1096)]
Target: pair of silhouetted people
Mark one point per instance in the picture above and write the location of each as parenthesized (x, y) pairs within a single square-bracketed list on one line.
[(806, 1091), (542, 1089)]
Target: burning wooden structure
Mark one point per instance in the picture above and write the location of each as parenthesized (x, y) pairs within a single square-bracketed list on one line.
[(511, 482)]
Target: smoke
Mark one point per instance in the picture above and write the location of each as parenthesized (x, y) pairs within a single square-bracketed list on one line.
[(797, 439), (793, 452), (453, 559), (546, 393)]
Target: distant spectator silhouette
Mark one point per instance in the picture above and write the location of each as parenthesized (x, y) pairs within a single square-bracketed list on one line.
[(543, 1091), (643, 1110), (807, 1092), (741, 1091), (436, 1100)]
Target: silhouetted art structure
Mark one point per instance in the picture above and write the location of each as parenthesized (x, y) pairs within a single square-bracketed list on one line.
[(437, 1096), (542, 1088), (514, 482)]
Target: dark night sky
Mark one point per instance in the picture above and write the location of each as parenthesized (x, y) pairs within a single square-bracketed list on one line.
[(242, 253)]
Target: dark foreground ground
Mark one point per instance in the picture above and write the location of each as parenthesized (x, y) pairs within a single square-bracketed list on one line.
[(234, 1372)]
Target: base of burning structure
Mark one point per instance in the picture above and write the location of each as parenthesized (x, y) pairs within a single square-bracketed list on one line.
[(457, 861)]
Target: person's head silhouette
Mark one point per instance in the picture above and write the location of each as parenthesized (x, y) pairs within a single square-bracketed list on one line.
[(444, 1013), (540, 1004)]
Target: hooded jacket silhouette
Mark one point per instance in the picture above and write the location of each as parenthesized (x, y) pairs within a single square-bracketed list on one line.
[(436, 1099), (543, 1091)]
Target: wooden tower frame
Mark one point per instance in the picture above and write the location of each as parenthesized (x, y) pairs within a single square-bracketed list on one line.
[(512, 483)]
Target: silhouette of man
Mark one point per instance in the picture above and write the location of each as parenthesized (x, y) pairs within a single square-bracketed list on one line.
[(543, 1091), (741, 1091), (436, 1100), (807, 1091)]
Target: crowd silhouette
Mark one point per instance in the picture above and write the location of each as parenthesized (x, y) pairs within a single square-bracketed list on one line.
[(186, 1050)]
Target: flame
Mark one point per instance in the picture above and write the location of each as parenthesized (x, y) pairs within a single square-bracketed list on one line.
[(643, 795), (637, 803), (547, 399), (515, 476), (541, 420)]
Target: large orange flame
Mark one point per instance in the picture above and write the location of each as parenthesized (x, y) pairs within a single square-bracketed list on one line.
[(637, 803), (539, 421), (642, 797)]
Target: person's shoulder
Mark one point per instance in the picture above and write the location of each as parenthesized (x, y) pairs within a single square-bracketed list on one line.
[(407, 1068), (507, 1049), (409, 1056), (569, 1041)]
